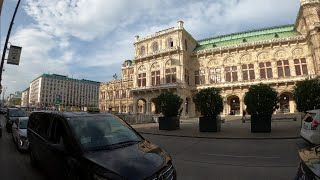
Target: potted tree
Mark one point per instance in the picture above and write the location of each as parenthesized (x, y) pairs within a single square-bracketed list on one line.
[(261, 101), (306, 94), (169, 105), (210, 103)]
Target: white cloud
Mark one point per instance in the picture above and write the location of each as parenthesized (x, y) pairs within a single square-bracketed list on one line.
[(77, 35), (35, 59)]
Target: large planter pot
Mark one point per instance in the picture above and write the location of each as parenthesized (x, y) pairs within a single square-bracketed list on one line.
[(261, 124), (210, 124), (169, 123)]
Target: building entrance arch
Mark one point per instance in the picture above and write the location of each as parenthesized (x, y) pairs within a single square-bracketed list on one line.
[(154, 109), (142, 106), (234, 104), (286, 102)]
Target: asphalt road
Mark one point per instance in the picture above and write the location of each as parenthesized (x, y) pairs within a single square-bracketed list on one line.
[(211, 159), (13, 164), (194, 159)]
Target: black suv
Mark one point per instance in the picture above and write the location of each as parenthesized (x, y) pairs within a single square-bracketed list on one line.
[(12, 115), (95, 146)]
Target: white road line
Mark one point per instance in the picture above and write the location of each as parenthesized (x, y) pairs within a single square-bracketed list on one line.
[(234, 156)]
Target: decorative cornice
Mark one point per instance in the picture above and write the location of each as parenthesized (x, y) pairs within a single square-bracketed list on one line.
[(175, 48), (278, 40), (158, 34), (304, 2)]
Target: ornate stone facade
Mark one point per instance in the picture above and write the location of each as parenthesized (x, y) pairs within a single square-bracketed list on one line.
[(172, 60)]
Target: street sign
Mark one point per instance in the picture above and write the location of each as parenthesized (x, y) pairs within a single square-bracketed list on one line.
[(58, 100), (14, 55)]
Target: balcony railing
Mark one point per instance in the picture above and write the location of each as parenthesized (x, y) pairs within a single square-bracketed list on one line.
[(156, 87), (256, 81), (169, 49)]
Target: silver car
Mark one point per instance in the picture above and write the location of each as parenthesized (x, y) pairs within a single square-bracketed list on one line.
[(19, 133)]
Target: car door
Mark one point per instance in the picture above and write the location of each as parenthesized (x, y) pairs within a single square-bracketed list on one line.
[(42, 139), (58, 153)]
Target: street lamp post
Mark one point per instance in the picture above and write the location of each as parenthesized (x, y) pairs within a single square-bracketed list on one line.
[(7, 40)]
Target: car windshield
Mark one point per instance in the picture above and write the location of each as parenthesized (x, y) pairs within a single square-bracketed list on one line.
[(17, 113), (96, 132), (309, 117), (23, 123)]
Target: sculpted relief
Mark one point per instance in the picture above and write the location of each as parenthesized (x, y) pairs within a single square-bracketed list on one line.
[(245, 58), (229, 60), (280, 54), (263, 57), (213, 62), (297, 52)]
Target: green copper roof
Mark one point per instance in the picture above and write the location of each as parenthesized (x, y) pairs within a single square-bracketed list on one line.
[(248, 36)]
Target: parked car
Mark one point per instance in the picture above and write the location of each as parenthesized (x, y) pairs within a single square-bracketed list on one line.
[(310, 130), (19, 133), (95, 146), (12, 115), (3, 110), (309, 166)]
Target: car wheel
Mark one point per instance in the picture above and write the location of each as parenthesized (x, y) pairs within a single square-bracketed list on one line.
[(33, 160)]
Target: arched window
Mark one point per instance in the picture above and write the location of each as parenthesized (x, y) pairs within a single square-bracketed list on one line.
[(169, 42), (155, 46), (142, 50)]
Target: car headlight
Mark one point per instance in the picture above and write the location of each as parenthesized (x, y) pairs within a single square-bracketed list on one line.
[(22, 137)]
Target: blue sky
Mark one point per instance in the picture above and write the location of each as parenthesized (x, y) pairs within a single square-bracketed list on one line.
[(90, 39)]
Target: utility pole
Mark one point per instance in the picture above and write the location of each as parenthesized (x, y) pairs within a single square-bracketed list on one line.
[(6, 42)]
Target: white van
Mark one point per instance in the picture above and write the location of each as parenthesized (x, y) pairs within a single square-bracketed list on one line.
[(310, 129)]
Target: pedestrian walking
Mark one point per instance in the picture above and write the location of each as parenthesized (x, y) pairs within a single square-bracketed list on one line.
[(244, 116)]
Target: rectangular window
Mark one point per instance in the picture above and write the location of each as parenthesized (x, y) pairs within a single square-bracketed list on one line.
[(155, 78), (214, 75), (170, 75), (141, 79), (300, 67), (245, 75), (265, 70), (196, 77), (251, 72), (283, 68), (231, 74), (202, 77), (228, 74)]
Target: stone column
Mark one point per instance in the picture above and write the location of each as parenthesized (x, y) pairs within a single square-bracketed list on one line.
[(134, 106), (148, 104)]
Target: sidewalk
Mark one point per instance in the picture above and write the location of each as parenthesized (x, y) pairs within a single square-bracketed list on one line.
[(232, 128)]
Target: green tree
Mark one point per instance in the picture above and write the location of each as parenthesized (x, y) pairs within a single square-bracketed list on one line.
[(169, 104), (208, 101), (306, 94), (261, 100)]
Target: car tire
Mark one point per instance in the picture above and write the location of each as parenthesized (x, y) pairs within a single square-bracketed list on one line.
[(33, 160)]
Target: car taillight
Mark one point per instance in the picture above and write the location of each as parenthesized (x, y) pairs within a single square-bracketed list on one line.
[(314, 124)]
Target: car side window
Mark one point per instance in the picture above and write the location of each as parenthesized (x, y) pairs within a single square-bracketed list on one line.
[(44, 124), (57, 131)]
